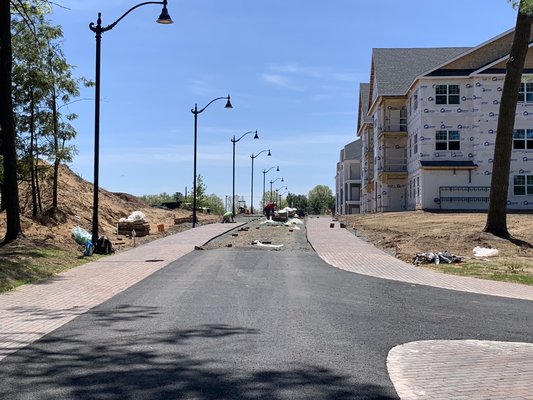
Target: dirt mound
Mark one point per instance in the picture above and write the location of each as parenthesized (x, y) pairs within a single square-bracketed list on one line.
[(75, 199)]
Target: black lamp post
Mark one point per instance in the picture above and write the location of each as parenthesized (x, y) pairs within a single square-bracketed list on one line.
[(235, 141), (277, 194), (264, 177), (280, 196), (252, 186), (271, 182), (195, 111), (164, 18)]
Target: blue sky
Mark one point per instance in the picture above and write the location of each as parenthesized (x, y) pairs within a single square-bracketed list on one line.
[(292, 68)]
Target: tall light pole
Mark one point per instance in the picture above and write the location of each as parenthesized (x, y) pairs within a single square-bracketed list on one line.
[(235, 141), (195, 111), (253, 157), (280, 195), (271, 182), (277, 193), (264, 177), (164, 18)]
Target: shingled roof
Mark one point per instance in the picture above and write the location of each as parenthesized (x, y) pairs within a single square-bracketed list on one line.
[(364, 96), (394, 70)]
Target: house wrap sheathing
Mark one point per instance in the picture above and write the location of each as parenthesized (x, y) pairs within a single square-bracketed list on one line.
[(427, 123)]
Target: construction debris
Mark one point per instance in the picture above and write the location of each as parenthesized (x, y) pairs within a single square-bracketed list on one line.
[(436, 258), (485, 252), (136, 222), (274, 246)]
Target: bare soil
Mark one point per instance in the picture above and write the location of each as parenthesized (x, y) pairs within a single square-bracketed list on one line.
[(75, 209), (403, 234), (256, 234)]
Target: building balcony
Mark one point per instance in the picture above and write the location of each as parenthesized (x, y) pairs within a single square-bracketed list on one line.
[(389, 132), (392, 168)]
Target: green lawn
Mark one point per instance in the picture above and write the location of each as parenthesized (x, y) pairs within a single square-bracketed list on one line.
[(24, 263)]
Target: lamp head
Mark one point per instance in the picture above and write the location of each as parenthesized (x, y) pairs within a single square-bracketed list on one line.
[(282, 180), (277, 169), (164, 18), (256, 136), (269, 153), (228, 103)]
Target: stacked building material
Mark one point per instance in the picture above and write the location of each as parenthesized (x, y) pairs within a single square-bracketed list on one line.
[(182, 220), (135, 222), (141, 228)]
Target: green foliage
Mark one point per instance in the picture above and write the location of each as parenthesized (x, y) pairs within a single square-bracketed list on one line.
[(298, 201), (215, 204), (158, 199), (42, 85), (320, 199), (201, 197), (526, 6)]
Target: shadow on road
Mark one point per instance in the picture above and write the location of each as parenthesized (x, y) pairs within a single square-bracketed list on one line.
[(165, 365)]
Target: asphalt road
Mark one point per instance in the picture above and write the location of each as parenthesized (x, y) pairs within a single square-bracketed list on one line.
[(249, 324)]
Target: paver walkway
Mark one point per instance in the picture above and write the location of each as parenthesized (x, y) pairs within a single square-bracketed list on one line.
[(436, 369), (31, 311)]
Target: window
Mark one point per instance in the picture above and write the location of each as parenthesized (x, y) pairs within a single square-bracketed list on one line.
[(447, 140), (523, 139), (415, 100), (525, 94), (415, 143), (447, 94), (523, 185)]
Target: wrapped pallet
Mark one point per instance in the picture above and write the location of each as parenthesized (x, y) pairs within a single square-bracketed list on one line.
[(135, 222)]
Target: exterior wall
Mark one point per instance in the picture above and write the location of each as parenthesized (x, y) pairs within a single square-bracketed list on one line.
[(475, 118), (367, 168), (348, 185)]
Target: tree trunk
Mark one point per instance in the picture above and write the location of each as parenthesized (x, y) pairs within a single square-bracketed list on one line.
[(499, 186), (7, 124), (55, 118), (33, 165), (37, 186)]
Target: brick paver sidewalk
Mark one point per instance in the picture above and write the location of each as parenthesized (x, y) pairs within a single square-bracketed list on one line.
[(32, 311), (462, 369), (443, 369), (343, 250)]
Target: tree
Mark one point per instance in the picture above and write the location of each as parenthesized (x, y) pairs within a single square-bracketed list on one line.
[(201, 189), (497, 212), (215, 204), (29, 90), (320, 199), (298, 201), (10, 197)]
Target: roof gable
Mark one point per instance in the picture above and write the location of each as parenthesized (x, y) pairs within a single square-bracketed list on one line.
[(394, 70), (497, 48)]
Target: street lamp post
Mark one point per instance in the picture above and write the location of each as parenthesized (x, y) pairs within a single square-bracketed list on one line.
[(277, 194), (252, 185), (264, 177), (280, 196), (195, 111), (271, 182), (98, 29), (235, 141)]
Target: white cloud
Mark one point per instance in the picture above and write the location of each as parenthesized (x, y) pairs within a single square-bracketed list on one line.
[(277, 80)]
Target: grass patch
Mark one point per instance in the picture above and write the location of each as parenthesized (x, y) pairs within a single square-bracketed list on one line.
[(503, 271), (22, 263)]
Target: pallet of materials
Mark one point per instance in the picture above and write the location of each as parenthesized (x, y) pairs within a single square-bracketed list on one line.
[(141, 228)]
